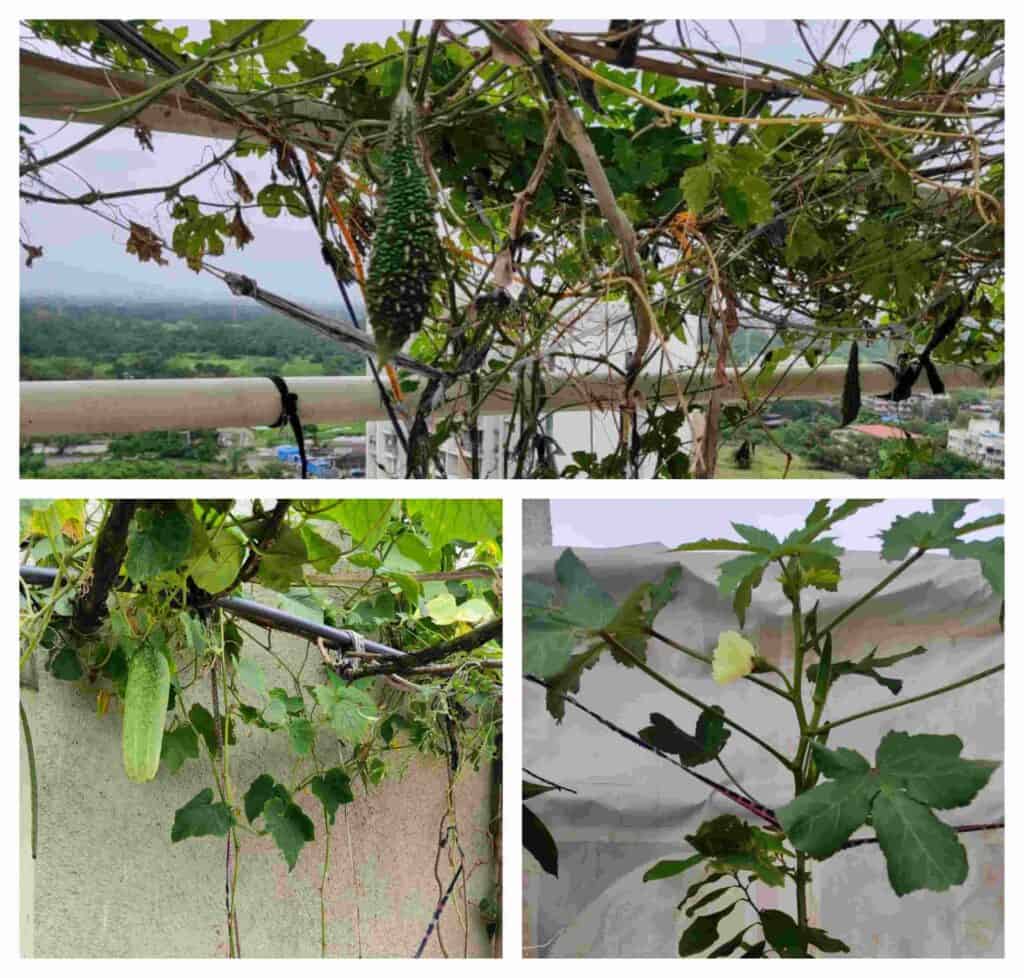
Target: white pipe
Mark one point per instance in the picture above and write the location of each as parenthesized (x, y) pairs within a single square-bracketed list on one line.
[(77, 407)]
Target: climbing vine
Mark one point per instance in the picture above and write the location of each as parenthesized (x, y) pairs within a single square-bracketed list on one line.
[(642, 180), (903, 796), (155, 608)]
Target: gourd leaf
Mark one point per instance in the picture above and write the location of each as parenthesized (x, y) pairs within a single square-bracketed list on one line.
[(290, 827), (201, 816)]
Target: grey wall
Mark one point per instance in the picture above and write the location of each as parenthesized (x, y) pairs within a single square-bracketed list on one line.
[(108, 882)]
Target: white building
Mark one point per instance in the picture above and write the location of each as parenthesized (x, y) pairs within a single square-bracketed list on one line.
[(981, 441), (607, 331)]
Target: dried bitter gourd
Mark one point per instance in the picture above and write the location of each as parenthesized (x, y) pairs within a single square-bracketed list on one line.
[(403, 263)]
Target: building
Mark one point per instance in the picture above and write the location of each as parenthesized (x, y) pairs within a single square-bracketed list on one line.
[(880, 431), (606, 331), (981, 441)]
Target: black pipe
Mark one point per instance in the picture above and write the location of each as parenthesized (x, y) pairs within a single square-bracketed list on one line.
[(258, 614)]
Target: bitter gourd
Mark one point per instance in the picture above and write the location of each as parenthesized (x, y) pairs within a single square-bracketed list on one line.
[(404, 258), (145, 707)]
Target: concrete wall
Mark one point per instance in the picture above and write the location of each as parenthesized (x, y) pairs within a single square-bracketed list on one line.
[(108, 882)]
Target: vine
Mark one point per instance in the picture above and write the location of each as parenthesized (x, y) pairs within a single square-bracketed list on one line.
[(403, 651), (545, 184)]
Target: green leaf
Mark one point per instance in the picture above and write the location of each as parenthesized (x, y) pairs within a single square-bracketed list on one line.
[(251, 674), (586, 604), (912, 774), (697, 184), (868, 667), (283, 561), (364, 519), (468, 520), (718, 543), (693, 749), (930, 768), (822, 941), (333, 788), (539, 842), (819, 821), (783, 933), (217, 567), (739, 577), (300, 735), (321, 553), (920, 851), (351, 711), (201, 817), (532, 789), (703, 932), (547, 647), (990, 555), (66, 665), (536, 594), (202, 720), (290, 827), (260, 792), (178, 746), (709, 898), (726, 948), (840, 762), (761, 539), (671, 867), (160, 542), (923, 530)]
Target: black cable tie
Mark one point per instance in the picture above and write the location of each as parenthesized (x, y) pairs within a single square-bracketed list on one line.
[(240, 284), (290, 415)]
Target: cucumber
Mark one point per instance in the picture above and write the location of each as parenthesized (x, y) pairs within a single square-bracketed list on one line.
[(145, 707)]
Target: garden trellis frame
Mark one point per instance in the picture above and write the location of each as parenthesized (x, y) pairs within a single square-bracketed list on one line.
[(388, 660)]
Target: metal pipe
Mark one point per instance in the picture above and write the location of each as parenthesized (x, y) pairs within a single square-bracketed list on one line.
[(76, 407), (258, 614)]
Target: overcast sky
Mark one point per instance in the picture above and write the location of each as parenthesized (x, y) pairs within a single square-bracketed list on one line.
[(84, 255), (621, 523)]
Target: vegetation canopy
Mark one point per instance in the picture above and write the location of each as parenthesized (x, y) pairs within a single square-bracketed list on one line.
[(147, 606), (491, 187)]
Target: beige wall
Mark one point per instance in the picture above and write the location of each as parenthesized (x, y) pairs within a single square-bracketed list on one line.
[(108, 882)]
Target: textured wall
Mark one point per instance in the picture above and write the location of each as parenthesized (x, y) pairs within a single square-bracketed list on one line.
[(108, 882)]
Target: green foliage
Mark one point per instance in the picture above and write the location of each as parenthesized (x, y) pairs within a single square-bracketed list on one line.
[(693, 749), (554, 624), (201, 816), (539, 842), (815, 561), (165, 632), (912, 775)]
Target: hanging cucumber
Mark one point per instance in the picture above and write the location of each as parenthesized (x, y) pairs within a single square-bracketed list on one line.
[(404, 259), (145, 707)]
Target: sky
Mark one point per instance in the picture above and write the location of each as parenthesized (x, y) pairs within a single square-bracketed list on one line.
[(85, 256), (621, 523)]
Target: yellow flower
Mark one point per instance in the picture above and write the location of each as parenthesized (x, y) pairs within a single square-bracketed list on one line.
[(733, 658)]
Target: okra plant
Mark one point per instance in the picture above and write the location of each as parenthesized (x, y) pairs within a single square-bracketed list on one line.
[(902, 795)]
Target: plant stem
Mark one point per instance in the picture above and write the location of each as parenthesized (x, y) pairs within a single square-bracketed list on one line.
[(866, 597), (832, 724), (33, 785), (682, 694)]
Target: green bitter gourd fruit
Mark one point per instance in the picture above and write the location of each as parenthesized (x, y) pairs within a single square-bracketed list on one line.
[(145, 707), (404, 259)]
